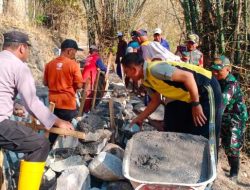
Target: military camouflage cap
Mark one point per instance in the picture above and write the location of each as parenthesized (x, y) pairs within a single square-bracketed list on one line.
[(193, 38), (220, 62)]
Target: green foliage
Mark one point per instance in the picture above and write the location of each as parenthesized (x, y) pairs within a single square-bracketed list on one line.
[(40, 19)]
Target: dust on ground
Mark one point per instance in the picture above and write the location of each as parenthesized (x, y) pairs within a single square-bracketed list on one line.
[(222, 182)]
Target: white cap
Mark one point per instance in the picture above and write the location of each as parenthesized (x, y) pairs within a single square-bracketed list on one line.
[(119, 34), (157, 31)]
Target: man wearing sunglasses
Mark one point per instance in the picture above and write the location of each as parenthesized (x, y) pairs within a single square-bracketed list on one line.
[(234, 113)]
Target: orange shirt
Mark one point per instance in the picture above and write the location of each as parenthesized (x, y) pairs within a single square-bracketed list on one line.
[(62, 75)]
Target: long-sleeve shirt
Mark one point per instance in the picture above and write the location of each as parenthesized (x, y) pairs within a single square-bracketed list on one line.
[(15, 77), (151, 50), (165, 44), (233, 105), (101, 65)]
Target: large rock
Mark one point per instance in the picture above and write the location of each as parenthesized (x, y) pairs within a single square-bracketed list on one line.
[(94, 128), (92, 147), (114, 149), (65, 142), (119, 90), (74, 178), (90, 123), (61, 165), (102, 109), (97, 135), (107, 167)]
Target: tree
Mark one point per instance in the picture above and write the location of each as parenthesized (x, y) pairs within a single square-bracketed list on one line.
[(106, 17), (222, 27)]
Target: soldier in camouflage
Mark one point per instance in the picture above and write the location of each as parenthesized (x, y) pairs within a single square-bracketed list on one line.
[(189, 53), (234, 113)]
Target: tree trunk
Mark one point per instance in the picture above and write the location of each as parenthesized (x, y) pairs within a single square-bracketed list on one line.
[(91, 23), (220, 27), (17, 9), (236, 31), (186, 9)]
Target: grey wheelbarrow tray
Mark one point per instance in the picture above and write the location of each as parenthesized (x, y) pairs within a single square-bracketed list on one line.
[(212, 156)]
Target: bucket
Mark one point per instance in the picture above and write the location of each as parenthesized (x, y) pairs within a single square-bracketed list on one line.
[(30, 175)]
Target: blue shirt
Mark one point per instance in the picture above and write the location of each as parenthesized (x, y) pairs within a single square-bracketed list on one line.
[(101, 65), (165, 44), (134, 44)]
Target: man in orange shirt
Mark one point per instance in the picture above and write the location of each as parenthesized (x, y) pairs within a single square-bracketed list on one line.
[(63, 77)]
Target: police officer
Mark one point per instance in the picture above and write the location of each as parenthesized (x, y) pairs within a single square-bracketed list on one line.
[(235, 113), (15, 77)]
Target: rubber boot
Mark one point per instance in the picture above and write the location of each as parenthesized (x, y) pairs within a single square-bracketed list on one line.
[(234, 163), (30, 175)]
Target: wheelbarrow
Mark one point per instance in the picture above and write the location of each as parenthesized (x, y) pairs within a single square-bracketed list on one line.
[(206, 184)]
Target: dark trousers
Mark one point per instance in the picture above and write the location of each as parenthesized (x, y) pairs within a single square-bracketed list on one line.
[(22, 139), (178, 115), (64, 114), (119, 70)]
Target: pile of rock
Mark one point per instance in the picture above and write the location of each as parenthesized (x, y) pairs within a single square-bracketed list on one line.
[(94, 163)]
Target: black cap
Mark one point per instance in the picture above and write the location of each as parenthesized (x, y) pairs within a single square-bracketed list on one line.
[(16, 36), (133, 33), (68, 43)]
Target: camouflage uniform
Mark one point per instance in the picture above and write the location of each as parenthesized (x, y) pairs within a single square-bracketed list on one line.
[(195, 57), (234, 116)]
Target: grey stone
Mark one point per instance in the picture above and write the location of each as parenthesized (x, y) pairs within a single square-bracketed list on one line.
[(102, 109), (49, 174), (121, 185), (91, 147), (65, 142), (48, 180), (90, 123), (138, 107), (158, 114), (147, 127), (134, 100), (61, 165), (115, 150), (97, 135), (74, 178), (107, 167)]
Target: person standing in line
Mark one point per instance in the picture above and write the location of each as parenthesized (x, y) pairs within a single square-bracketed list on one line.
[(121, 51), (234, 116), (63, 77), (92, 62), (158, 38)]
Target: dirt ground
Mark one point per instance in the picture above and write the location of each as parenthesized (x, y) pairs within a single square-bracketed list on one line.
[(224, 183)]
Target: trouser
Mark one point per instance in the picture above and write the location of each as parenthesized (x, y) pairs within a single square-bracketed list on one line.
[(64, 114), (232, 132), (119, 70), (88, 102), (22, 139), (232, 135), (234, 163), (178, 115)]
